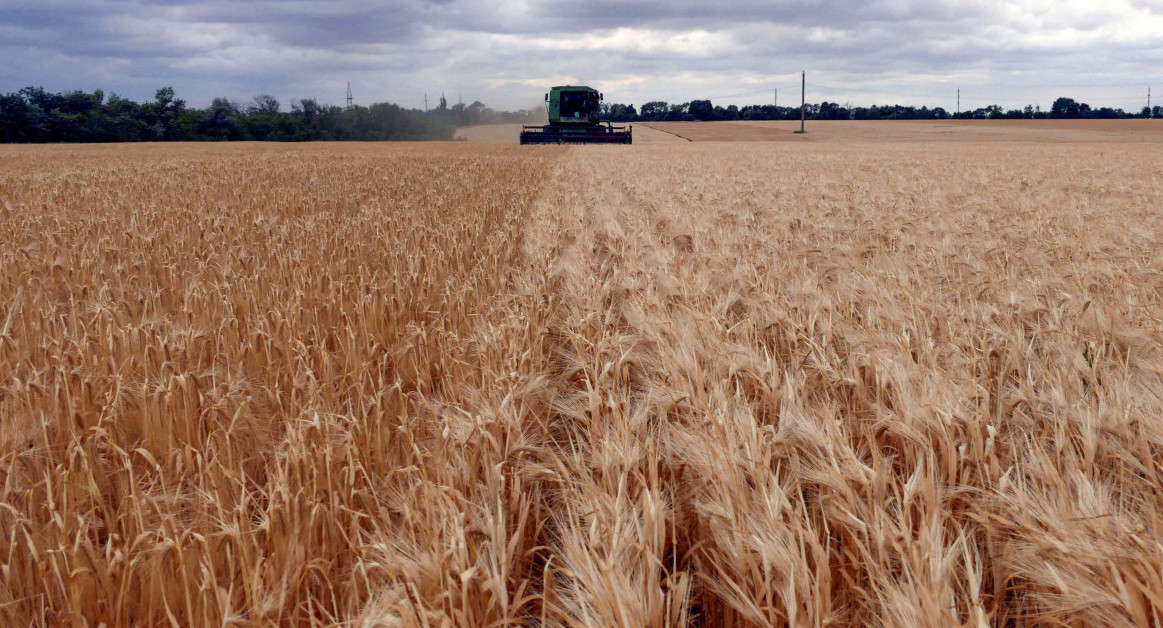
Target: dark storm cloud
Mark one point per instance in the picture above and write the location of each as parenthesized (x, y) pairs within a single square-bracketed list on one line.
[(493, 50)]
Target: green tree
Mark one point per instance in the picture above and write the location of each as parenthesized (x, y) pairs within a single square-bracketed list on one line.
[(1065, 108), (220, 121), (654, 110), (265, 104), (701, 110), (831, 111), (164, 113), (15, 124), (126, 120), (678, 113)]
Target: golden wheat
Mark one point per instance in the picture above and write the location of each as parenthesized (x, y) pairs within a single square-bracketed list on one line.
[(454, 385)]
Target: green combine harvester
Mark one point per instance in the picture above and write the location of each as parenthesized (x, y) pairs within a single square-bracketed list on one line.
[(573, 119)]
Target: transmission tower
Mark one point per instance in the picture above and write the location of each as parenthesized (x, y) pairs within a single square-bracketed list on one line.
[(349, 95)]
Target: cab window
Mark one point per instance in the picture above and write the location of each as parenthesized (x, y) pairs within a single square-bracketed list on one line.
[(575, 104)]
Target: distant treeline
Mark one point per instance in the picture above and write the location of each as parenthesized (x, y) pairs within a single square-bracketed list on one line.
[(696, 110), (35, 115)]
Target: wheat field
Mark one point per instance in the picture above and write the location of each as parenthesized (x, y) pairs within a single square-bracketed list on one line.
[(816, 384)]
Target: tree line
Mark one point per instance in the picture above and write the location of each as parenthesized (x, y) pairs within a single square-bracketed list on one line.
[(702, 110), (35, 115)]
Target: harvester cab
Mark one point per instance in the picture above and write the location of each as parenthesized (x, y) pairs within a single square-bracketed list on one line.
[(575, 118)]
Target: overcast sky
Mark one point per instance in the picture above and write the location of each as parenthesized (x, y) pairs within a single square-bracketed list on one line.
[(506, 53)]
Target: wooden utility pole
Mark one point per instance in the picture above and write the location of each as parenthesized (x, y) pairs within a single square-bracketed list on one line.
[(803, 100)]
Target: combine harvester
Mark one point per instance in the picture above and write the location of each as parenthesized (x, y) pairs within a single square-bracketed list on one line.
[(573, 119)]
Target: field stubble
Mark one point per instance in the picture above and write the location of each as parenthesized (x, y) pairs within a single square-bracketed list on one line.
[(752, 385)]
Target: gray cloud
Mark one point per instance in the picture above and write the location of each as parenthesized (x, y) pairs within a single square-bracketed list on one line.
[(506, 53)]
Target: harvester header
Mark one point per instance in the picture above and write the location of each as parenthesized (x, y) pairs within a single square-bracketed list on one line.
[(575, 118)]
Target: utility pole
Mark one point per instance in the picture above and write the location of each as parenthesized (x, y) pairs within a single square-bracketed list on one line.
[(803, 100), (349, 94)]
